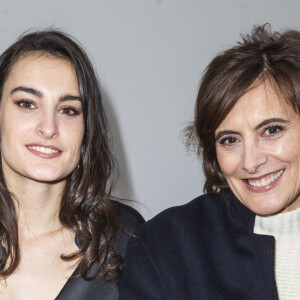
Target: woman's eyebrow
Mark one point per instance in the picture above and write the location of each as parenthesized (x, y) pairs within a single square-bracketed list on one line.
[(225, 132), (27, 90), (32, 91), (69, 97), (269, 121)]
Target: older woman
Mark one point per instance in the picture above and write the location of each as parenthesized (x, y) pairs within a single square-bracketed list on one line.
[(241, 240), (61, 235)]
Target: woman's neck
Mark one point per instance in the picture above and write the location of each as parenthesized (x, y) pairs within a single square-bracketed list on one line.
[(37, 206)]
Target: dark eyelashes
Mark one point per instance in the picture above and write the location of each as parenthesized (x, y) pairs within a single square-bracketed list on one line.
[(225, 139), (71, 111), (25, 104), (19, 102), (28, 105), (273, 130), (279, 127)]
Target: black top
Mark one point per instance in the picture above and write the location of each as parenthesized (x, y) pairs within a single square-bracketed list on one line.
[(99, 289), (205, 249)]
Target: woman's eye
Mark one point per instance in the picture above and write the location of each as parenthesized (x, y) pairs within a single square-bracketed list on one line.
[(272, 130), (26, 104), (69, 111), (228, 140)]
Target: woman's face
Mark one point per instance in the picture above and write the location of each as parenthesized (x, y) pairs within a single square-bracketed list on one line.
[(258, 150), (41, 120)]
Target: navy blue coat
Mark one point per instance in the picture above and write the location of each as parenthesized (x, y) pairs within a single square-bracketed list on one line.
[(205, 249)]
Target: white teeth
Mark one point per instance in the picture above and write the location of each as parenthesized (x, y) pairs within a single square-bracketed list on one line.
[(258, 183), (266, 180), (43, 149)]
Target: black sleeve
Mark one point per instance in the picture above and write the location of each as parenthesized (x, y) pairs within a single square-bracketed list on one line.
[(129, 220), (141, 277)]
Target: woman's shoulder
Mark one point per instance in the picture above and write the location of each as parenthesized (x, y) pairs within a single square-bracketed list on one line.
[(191, 211), (206, 213), (128, 221), (127, 216)]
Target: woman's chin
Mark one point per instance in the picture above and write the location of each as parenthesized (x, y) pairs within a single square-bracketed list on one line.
[(46, 176), (266, 208)]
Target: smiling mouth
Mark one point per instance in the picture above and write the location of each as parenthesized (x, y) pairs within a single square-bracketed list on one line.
[(45, 150), (264, 181)]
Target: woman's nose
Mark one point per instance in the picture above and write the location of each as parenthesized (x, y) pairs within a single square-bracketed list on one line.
[(47, 126), (253, 157)]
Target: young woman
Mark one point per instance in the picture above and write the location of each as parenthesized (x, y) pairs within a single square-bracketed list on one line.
[(61, 235), (241, 239)]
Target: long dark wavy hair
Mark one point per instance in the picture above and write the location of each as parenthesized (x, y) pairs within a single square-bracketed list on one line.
[(262, 56), (85, 206)]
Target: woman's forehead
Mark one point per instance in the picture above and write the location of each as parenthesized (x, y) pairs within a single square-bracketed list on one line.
[(258, 103)]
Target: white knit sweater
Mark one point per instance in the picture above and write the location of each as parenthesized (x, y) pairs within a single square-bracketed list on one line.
[(285, 228)]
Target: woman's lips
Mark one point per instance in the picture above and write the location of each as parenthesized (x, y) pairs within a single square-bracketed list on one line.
[(263, 183), (43, 151)]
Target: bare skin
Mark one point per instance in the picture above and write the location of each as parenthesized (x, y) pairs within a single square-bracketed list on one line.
[(41, 273)]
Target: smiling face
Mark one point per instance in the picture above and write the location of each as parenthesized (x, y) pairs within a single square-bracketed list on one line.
[(258, 150), (41, 120)]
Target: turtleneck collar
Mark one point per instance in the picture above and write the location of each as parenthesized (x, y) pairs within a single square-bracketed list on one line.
[(285, 227)]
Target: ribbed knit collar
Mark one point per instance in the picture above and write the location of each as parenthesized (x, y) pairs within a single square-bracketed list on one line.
[(285, 227)]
